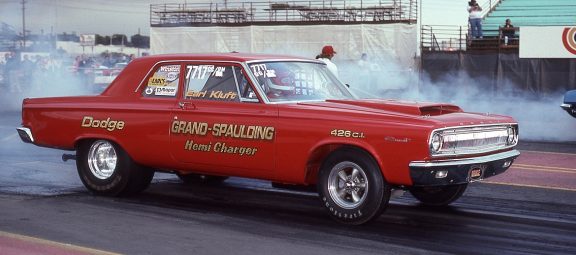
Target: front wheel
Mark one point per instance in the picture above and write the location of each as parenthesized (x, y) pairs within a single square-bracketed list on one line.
[(438, 196), (106, 169), (352, 187)]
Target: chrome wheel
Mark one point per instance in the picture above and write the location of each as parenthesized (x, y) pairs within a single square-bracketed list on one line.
[(347, 185), (102, 159)]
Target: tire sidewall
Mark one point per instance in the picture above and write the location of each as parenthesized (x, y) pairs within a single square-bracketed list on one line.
[(378, 190), (111, 186)]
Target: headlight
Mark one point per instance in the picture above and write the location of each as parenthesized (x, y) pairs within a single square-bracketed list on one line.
[(511, 136), (436, 143)]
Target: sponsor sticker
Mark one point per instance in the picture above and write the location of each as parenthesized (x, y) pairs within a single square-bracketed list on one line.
[(170, 68), (165, 91), (172, 76), (157, 81)]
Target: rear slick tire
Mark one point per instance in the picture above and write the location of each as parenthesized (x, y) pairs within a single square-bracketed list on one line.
[(106, 169), (438, 196), (352, 188)]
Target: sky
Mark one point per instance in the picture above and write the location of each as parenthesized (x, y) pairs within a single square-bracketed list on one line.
[(106, 17)]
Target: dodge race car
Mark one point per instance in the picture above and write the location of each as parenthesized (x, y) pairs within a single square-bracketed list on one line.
[(278, 118)]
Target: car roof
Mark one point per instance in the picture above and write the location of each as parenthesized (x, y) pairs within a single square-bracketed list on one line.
[(236, 57)]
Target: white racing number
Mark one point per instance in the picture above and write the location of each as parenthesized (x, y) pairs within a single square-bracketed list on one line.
[(262, 70), (199, 72)]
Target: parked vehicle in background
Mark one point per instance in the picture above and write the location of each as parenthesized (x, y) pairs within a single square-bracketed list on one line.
[(279, 118), (570, 103), (104, 75)]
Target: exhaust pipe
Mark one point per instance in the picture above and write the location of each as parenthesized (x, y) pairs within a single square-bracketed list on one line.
[(66, 157)]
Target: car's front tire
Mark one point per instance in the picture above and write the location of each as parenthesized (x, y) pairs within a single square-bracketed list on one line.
[(438, 196), (351, 187), (106, 169)]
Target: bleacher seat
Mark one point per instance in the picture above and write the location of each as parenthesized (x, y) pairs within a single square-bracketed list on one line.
[(530, 13)]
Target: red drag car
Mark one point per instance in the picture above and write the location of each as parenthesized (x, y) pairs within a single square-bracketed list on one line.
[(278, 118)]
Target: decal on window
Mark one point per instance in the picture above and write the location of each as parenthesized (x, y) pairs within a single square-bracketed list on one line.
[(262, 70), (164, 82), (200, 71)]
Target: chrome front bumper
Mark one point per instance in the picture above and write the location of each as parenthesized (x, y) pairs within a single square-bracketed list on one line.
[(25, 134), (459, 171)]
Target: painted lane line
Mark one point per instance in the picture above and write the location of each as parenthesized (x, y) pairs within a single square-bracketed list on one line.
[(544, 170), (530, 186), (64, 247), (8, 137), (552, 153), (26, 163), (546, 167)]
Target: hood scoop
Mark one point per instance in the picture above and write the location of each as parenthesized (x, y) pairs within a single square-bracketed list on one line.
[(405, 107)]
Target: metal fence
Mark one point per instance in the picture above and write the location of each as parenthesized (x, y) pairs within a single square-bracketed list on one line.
[(443, 38), (455, 38), (318, 11)]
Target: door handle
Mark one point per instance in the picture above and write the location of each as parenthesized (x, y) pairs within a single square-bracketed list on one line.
[(186, 106)]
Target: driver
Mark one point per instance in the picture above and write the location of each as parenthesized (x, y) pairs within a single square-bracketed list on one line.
[(281, 85)]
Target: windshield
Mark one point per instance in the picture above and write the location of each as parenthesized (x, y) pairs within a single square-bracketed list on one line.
[(298, 81)]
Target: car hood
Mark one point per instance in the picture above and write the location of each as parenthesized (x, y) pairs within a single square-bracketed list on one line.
[(442, 114), (389, 106)]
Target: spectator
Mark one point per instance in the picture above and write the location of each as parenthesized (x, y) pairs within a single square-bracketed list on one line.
[(475, 19), (326, 57), (27, 70), (508, 31)]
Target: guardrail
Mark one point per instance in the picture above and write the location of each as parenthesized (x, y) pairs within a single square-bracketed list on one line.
[(318, 11)]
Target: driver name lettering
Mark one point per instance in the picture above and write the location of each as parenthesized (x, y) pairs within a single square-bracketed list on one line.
[(216, 94), (223, 130)]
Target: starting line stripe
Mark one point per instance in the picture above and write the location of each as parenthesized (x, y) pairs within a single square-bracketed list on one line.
[(530, 186), (553, 153), (63, 246)]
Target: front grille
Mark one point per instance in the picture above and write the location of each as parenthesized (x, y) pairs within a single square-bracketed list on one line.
[(473, 139)]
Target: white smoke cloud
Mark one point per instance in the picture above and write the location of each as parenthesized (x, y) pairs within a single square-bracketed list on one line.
[(30, 84), (540, 117)]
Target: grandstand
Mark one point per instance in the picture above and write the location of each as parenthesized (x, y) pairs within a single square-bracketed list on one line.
[(530, 13), (449, 50)]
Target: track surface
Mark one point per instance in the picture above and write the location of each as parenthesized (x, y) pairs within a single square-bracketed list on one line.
[(531, 209)]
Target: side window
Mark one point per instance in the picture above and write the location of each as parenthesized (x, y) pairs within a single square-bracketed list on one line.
[(217, 82), (164, 82)]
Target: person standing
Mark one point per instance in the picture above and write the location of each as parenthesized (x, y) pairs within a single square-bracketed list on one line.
[(475, 19), (326, 57)]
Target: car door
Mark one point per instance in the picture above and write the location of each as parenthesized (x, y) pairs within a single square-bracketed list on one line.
[(221, 126)]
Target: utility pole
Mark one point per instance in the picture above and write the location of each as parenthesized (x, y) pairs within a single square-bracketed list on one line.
[(23, 24)]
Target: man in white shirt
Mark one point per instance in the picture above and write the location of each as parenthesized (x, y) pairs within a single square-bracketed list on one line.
[(475, 19), (326, 57)]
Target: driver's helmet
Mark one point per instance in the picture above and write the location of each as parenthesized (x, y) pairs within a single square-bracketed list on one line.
[(283, 83)]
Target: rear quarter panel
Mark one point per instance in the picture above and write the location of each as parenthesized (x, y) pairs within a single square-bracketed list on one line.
[(63, 122)]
